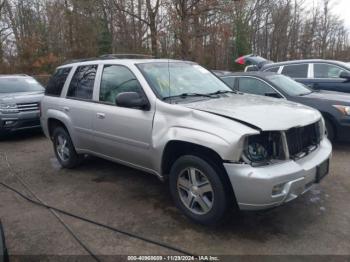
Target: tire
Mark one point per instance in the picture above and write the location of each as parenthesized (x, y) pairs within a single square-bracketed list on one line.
[(207, 208), (330, 130), (64, 149)]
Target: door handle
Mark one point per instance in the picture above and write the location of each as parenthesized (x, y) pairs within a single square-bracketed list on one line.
[(66, 109), (101, 115)]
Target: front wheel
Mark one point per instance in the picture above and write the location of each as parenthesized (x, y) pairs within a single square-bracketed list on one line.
[(64, 149), (198, 190)]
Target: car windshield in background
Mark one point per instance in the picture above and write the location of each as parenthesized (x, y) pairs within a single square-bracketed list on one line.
[(18, 85), (288, 85), (179, 78)]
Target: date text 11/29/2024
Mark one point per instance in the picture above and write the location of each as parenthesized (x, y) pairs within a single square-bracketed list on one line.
[(173, 258)]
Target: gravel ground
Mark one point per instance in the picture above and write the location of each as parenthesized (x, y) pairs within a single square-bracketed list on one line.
[(318, 223)]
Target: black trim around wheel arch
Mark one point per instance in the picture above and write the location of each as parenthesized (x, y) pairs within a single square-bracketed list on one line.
[(3, 250)]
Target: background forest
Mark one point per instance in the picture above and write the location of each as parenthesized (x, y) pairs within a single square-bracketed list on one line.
[(37, 35)]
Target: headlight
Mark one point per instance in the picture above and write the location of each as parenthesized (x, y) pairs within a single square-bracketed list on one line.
[(345, 110), (8, 108), (260, 149)]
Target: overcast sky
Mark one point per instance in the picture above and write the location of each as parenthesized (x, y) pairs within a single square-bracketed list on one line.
[(339, 7)]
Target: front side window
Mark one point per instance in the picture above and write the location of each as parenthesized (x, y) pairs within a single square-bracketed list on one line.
[(255, 86), (115, 80), (327, 71), (19, 85), (56, 83), (288, 85), (177, 78), (82, 84), (230, 81), (296, 71)]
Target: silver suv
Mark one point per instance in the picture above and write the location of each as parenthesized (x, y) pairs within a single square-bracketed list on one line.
[(218, 149), (20, 96)]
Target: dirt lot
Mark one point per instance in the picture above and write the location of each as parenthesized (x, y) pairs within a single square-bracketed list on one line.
[(318, 223)]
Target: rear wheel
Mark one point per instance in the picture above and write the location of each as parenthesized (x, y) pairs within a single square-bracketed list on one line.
[(198, 190), (64, 148), (330, 130)]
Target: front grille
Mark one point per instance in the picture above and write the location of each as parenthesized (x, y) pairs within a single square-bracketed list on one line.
[(28, 107), (302, 140)]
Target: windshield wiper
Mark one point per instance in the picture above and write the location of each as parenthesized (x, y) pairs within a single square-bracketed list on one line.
[(222, 92), (185, 95)]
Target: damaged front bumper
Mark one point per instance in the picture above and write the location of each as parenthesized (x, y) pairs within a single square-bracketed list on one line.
[(264, 187)]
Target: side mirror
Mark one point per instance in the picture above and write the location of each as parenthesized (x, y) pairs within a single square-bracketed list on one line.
[(131, 100), (345, 75)]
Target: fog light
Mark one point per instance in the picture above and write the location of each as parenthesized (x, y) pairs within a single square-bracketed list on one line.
[(278, 189), (10, 122)]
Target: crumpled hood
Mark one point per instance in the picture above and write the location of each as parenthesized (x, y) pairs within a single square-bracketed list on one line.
[(267, 114)]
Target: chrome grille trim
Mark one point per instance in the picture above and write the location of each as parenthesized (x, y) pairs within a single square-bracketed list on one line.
[(28, 107)]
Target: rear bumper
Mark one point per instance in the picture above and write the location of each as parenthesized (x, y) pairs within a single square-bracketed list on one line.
[(22, 121), (253, 186)]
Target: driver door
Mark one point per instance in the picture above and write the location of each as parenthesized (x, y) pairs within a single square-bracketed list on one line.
[(123, 134), (255, 86)]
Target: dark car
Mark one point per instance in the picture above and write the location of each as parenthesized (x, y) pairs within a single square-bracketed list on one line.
[(20, 97), (315, 73), (334, 106)]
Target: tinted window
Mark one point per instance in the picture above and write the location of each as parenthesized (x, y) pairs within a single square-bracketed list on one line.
[(82, 84), (254, 86), (272, 69), (230, 81), (56, 83), (20, 84), (327, 71), (296, 71), (117, 79)]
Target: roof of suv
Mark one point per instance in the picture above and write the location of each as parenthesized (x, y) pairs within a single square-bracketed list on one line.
[(301, 61), (121, 61), (14, 76)]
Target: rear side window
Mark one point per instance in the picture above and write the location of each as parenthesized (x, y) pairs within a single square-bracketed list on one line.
[(272, 69), (82, 84), (56, 83), (296, 71)]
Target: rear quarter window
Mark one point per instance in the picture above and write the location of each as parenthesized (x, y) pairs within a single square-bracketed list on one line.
[(57, 81)]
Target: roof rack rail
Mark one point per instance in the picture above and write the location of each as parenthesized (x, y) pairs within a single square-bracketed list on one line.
[(110, 56), (126, 56)]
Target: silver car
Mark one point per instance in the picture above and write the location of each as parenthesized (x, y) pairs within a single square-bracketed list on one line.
[(219, 150), (20, 96)]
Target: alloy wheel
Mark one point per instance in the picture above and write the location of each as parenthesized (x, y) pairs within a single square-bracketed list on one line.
[(195, 191)]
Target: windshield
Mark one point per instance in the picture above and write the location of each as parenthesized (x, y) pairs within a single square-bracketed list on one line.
[(17, 85), (177, 78), (288, 85)]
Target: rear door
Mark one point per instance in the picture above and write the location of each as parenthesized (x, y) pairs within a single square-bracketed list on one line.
[(121, 133), (78, 105), (327, 77)]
